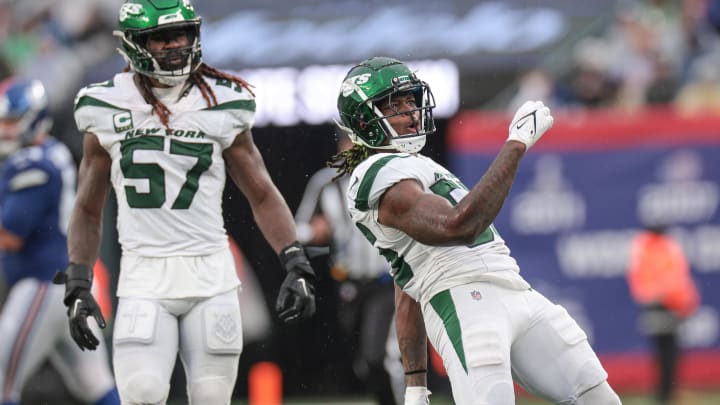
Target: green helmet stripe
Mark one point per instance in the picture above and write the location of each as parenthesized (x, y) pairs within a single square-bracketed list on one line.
[(149, 14)]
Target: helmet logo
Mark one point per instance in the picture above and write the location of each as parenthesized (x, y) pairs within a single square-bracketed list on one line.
[(187, 5), (400, 79), (130, 9), (350, 84), (171, 18)]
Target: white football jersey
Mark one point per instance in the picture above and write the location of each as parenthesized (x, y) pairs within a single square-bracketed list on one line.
[(168, 182), (422, 270)]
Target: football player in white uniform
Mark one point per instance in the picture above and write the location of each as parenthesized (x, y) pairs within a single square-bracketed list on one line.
[(163, 133), (456, 283)]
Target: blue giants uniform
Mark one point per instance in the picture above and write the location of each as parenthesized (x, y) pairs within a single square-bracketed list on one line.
[(37, 189)]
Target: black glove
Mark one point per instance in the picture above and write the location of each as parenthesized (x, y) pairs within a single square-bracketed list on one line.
[(80, 303), (296, 300)]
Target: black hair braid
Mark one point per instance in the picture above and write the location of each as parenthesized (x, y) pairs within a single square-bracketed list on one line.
[(346, 161), (196, 79)]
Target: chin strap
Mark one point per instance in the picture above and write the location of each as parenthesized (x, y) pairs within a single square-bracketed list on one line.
[(171, 80), (406, 144), (409, 144), (349, 132)]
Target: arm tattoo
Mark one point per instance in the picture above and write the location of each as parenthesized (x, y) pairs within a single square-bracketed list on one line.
[(482, 205)]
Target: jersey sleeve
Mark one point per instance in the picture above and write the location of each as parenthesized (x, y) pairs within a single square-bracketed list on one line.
[(380, 175), (100, 109), (29, 191), (242, 115), (85, 118), (236, 119), (238, 107), (97, 110)]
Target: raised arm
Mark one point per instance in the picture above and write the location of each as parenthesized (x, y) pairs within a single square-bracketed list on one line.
[(431, 219)]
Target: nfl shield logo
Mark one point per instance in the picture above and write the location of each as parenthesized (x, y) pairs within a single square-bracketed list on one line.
[(475, 294)]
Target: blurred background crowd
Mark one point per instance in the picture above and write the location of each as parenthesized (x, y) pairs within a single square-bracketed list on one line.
[(625, 53), (577, 57), (650, 52)]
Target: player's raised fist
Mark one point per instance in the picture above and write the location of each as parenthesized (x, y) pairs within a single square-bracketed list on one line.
[(530, 122)]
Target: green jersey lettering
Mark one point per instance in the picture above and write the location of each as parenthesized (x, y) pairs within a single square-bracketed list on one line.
[(453, 190), (153, 172)]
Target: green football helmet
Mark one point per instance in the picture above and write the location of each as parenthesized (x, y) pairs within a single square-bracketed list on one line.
[(140, 18), (374, 80)]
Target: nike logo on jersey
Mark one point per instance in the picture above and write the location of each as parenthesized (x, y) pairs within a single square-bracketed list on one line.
[(355, 182)]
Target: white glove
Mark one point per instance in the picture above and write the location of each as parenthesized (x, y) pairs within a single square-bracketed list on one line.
[(530, 122), (417, 396)]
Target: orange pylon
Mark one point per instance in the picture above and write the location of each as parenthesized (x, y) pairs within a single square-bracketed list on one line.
[(265, 384)]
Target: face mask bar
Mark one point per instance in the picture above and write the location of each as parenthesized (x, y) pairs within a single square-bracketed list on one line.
[(424, 101), (164, 59), (159, 64)]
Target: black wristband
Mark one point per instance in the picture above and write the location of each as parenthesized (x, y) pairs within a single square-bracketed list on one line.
[(290, 251), (418, 371), (293, 258), (77, 278), (77, 271)]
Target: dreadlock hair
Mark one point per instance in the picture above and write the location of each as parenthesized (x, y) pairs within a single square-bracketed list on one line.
[(346, 161), (196, 78)]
